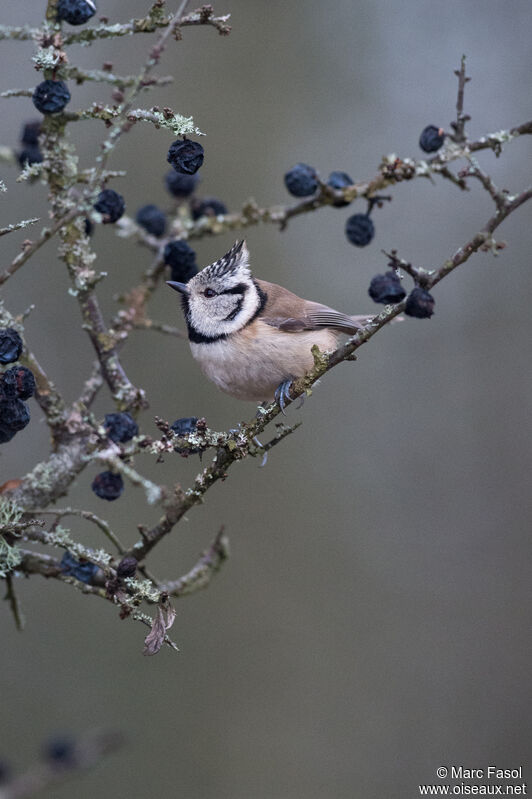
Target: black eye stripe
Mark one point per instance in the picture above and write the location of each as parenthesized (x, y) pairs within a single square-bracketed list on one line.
[(234, 313), (241, 288)]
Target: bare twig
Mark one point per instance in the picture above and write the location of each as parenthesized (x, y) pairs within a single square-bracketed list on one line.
[(104, 526), (461, 118), (14, 604), (18, 226), (29, 248), (203, 571)]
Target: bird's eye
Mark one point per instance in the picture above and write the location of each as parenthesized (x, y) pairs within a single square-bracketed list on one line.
[(209, 293)]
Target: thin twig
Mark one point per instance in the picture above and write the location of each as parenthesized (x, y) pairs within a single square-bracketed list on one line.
[(14, 604), (31, 247), (203, 571), (84, 514), (18, 226)]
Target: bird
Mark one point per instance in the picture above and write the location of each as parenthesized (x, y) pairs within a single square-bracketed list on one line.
[(253, 338)]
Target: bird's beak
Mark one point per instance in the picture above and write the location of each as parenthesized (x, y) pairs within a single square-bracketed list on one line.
[(182, 287)]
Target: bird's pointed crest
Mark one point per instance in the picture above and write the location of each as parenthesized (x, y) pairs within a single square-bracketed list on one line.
[(236, 260)]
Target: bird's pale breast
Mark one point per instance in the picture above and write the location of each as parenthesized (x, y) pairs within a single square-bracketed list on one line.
[(250, 364)]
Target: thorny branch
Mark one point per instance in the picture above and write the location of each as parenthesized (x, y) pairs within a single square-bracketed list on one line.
[(77, 438)]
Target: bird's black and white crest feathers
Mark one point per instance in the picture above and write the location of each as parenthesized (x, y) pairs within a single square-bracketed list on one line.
[(233, 262)]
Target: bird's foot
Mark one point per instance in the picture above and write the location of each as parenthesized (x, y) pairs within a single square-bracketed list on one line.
[(282, 394)]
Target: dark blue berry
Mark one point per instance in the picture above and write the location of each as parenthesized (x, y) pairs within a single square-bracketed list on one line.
[(180, 185), (22, 379), (51, 96), (14, 414), (126, 568), (152, 219), (182, 427), (29, 155), (111, 205), (208, 206), (82, 570), (10, 345), (89, 227), (120, 427), (108, 485), (75, 12), (8, 384), (6, 434), (181, 258), (386, 289), (339, 180), (301, 180), (359, 229), (61, 752), (420, 304), (185, 156), (30, 133), (431, 139)]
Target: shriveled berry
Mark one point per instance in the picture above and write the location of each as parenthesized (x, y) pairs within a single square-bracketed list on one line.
[(111, 205), (420, 304), (208, 206), (61, 752), (181, 258), (51, 96), (359, 229), (108, 485), (75, 12), (126, 568), (185, 156), (8, 384), (431, 139), (10, 345), (339, 180), (81, 569), (152, 219), (30, 133), (23, 381), (301, 180), (29, 155), (180, 185), (386, 289), (182, 427), (120, 427), (14, 414)]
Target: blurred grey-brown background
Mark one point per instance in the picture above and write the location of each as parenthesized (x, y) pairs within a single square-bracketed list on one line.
[(373, 621)]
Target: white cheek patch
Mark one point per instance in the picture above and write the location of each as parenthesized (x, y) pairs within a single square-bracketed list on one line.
[(211, 319)]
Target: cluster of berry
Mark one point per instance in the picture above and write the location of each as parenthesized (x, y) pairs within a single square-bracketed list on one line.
[(181, 183), (387, 289), (303, 181), (120, 428), (16, 385)]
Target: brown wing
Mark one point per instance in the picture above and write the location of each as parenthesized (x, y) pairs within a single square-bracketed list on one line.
[(292, 314)]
